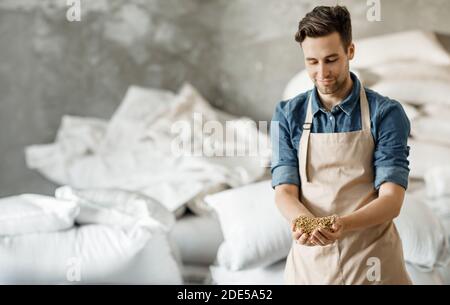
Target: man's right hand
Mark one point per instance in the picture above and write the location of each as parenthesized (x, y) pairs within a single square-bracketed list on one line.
[(299, 237)]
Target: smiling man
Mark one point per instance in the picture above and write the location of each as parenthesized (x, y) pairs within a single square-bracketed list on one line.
[(340, 149)]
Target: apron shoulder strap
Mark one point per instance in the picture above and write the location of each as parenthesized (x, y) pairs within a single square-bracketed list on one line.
[(365, 115), (304, 140)]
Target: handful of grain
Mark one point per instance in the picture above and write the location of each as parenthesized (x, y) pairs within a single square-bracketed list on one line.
[(309, 224)]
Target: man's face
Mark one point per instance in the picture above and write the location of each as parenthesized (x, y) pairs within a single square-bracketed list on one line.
[(327, 62)]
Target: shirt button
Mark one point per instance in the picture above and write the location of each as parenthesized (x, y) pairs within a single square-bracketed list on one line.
[(331, 118)]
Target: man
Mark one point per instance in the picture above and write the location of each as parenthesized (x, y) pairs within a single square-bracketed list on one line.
[(340, 149)]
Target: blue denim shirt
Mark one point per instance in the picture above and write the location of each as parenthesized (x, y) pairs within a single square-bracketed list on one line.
[(390, 129)]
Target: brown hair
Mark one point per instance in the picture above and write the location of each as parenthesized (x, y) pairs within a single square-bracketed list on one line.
[(325, 20)]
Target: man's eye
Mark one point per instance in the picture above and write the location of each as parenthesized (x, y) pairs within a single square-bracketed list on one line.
[(332, 60)]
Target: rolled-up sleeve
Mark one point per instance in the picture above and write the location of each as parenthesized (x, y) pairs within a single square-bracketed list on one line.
[(284, 165), (391, 151)]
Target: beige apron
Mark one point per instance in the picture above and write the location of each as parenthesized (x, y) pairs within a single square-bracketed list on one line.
[(336, 171)]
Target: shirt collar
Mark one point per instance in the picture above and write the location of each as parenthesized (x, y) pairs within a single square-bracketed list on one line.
[(347, 105)]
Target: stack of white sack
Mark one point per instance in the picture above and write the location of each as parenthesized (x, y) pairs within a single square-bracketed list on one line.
[(174, 148), (87, 237), (419, 78), (437, 197)]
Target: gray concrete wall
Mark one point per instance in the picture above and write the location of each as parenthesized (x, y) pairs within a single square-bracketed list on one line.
[(238, 53)]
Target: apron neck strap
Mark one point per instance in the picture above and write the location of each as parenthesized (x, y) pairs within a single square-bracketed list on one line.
[(304, 141)]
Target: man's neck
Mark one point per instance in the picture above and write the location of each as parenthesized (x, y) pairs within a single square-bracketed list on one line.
[(331, 100)]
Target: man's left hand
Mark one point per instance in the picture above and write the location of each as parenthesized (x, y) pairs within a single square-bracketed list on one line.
[(324, 237)]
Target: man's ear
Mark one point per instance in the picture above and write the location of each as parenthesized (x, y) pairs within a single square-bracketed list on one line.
[(351, 51)]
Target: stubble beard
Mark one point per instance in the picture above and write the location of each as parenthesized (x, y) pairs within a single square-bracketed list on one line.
[(333, 88)]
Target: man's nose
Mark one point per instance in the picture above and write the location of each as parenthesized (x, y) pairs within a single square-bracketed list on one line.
[(323, 71)]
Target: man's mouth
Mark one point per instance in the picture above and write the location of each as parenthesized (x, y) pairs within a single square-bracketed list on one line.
[(325, 81)]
